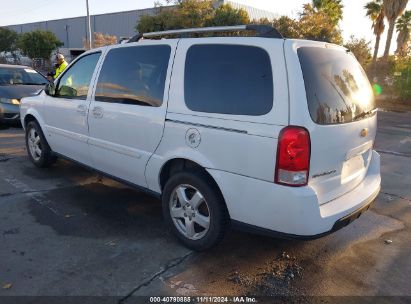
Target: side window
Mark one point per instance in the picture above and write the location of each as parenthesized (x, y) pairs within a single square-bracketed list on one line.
[(134, 75), (228, 79), (76, 80)]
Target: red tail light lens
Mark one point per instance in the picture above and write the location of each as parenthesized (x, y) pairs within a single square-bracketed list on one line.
[(293, 157)]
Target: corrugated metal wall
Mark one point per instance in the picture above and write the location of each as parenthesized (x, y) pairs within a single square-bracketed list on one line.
[(253, 13), (119, 24), (72, 31)]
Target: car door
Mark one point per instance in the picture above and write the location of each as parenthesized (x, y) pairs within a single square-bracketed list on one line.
[(127, 113), (66, 111)]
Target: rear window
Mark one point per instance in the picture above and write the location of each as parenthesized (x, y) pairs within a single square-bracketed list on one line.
[(338, 90), (228, 79)]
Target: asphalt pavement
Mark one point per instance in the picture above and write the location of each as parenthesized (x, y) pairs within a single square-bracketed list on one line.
[(68, 231)]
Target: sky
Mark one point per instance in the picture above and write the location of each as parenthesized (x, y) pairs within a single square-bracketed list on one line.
[(25, 11)]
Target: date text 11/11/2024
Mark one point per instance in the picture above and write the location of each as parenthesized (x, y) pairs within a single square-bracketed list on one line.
[(203, 299)]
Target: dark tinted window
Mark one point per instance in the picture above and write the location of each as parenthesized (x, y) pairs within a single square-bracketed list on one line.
[(228, 79), (134, 75), (337, 88), (76, 80)]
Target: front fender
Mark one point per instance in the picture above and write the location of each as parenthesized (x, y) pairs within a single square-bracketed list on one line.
[(33, 106)]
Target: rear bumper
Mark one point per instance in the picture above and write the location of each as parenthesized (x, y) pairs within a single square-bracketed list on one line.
[(294, 212), (341, 223)]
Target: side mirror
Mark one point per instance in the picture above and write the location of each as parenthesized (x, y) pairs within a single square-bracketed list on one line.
[(50, 89)]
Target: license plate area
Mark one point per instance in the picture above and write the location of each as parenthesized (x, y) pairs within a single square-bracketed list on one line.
[(355, 166)]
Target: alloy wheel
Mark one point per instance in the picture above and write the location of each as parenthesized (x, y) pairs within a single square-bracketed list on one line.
[(34, 144), (190, 212)]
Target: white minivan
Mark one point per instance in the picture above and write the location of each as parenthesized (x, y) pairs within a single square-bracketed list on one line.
[(255, 131)]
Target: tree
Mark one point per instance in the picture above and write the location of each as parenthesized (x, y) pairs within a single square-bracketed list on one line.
[(288, 27), (186, 14), (165, 19), (318, 21), (195, 13), (331, 8), (316, 25), (226, 15), (262, 21), (361, 50), (402, 78), (312, 24), (375, 12), (38, 44), (403, 29), (392, 10), (191, 13), (99, 39), (8, 39)]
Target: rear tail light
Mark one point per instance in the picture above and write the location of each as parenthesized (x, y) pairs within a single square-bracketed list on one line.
[(293, 157)]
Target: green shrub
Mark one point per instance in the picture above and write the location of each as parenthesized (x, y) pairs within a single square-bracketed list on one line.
[(402, 78)]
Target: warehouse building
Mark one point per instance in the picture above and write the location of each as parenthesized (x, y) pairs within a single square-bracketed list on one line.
[(73, 31)]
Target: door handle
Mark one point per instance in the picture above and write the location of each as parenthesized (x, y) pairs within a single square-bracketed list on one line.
[(82, 109), (98, 112)]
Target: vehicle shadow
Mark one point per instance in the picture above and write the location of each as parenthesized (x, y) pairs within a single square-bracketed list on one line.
[(243, 263)]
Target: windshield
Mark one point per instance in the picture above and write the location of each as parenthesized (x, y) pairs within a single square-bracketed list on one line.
[(337, 88), (20, 76)]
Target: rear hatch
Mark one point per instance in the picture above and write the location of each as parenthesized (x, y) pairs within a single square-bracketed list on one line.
[(342, 119)]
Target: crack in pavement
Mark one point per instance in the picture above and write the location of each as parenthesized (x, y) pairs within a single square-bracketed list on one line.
[(7, 194), (4, 158), (36, 195), (394, 153), (170, 265), (23, 188), (396, 195), (40, 191), (29, 192)]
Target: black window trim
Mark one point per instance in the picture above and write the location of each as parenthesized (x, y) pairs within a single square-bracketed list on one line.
[(223, 114), (124, 46), (71, 64)]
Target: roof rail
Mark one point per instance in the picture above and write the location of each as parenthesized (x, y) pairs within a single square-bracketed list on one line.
[(135, 38), (265, 31)]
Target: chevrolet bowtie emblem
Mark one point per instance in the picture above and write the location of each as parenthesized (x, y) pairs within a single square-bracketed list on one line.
[(364, 132)]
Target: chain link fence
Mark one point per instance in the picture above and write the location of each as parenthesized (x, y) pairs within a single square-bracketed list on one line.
[(42, 65)]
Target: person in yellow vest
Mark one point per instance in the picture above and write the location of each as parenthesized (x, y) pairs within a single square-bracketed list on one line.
[(60, 66)]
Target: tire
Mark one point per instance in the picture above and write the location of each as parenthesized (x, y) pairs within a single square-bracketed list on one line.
[(203, 202), (37, 147)]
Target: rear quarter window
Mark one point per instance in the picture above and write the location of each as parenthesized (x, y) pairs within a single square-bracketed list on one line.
[(228, 79), (337, 88)]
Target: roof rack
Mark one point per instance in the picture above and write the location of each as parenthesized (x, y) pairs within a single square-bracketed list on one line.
[(265, 31)]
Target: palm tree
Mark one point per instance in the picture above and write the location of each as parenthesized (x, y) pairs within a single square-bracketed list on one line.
[(392, 10), (331, 8), (375, 12), (403, 29)]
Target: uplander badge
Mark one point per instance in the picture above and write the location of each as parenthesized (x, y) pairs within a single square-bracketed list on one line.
[(193, 138), (324, 173)]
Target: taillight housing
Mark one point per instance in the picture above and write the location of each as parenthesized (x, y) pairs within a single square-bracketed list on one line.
[(293, 157)]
